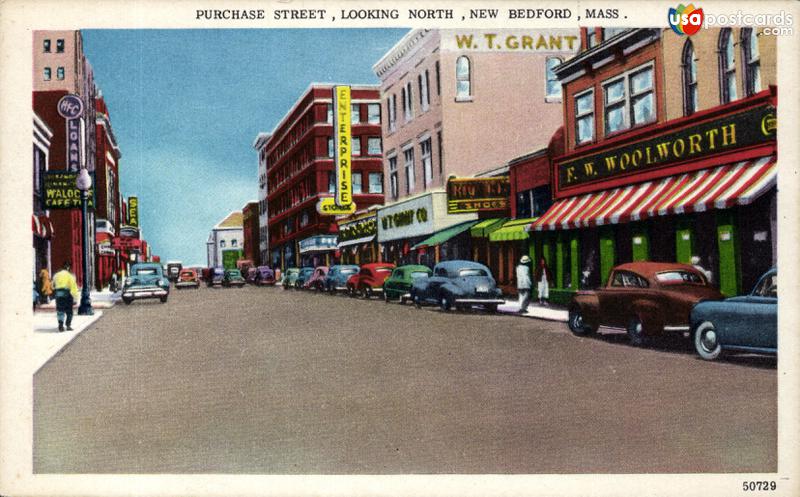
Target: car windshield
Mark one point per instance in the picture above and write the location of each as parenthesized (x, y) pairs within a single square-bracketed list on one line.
[(679, 277), (383, 270), (466, 273), (418, 274), (348, 271), (187, 274), (768, 287), (146, 271), (234, 272)]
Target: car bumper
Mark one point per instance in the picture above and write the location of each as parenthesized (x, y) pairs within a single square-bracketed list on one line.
[(181, 284), (480, 301), (144, 293)]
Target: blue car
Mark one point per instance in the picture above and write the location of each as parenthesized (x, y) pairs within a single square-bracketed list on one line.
[(336, 279), (459, 284), (147, 281), (748, 323), (303, 276)]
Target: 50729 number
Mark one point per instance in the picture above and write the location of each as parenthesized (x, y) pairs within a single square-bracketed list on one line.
[(754, 486)]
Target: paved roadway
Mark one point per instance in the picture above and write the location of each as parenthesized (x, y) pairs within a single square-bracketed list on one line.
[(261, 380)]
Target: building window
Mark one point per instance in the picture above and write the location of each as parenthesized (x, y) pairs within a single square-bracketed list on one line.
[(329, 118), (374, 113), (374, 145), (304, 219), (629, 100), (424, 94), (408, 155), (393, 177), (356, 180), (355, 113), (46, 44), (591, 37), (689, 64), (752, 62), (438, 80), (611, 32), (463, 78), (330, 146), (234, 242), (408, 102), (331, 182), (355, 145), (552, 85), (391, 110), (375, 183), (60, 46), (427, 166), (727, 66), (441, 152), (222, 244), (60, 73), (584, 117), (47, 74)]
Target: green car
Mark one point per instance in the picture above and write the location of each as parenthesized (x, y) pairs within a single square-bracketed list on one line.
[(398, 285), (290, 277)]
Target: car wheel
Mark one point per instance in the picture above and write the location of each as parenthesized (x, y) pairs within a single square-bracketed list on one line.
[(636, 332), (417, 301), (491, 308), (163, 300), (576, 323), (706, 341), (385, 296), (127, 300), (445, 302), (366, 292)]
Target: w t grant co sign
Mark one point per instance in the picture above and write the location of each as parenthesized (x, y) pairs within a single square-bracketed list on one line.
[(744, 129)]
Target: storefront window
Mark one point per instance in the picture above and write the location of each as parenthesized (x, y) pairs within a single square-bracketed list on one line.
[(589, 259), (584, 117)]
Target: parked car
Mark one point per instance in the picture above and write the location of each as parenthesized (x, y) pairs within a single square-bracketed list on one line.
[(398, 286), (244, 265), (216, 276), (188, 279), (264, 276), (303, 276), (173, 269), (336, 279), (233, 277), (250, 275), (458, 284), (369, 279), (290, 277), (648, 299), (748, 323), (146, 281), (317, 279)]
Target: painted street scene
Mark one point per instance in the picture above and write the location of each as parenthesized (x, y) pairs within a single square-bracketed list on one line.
[(450, 251)]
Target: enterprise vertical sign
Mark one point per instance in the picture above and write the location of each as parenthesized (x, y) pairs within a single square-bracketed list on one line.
[(342, 202)]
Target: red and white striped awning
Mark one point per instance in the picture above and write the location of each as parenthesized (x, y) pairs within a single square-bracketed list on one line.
[(41, 226), (715, 188)]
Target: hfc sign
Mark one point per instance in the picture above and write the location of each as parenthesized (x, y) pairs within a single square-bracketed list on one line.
[(70, 107)]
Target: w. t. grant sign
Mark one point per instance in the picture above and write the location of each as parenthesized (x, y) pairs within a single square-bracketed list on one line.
[(744, 129)]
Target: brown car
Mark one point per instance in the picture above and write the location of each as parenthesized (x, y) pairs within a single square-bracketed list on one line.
[(646, 298)]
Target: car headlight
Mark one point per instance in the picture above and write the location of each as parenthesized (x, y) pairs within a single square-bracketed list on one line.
[(128, 281)]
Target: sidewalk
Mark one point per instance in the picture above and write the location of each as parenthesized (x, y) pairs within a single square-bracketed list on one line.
[(535, 310), (47, 340), (100, 300)]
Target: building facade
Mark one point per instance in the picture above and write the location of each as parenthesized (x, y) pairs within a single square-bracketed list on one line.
[(250, 232), (670, 155), (41, 224), (263, 207), (299, 163), (108, 211), (225, 243)]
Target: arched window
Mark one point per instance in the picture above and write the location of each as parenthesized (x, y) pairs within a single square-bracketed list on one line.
[(689, 64), (727, 66), (552, 85), (463, 78), (752, 62)]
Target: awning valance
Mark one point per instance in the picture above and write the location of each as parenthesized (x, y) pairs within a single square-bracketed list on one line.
[(512, 230), (42, 226), (443, 235), (355, 241), (485, 227), (715, 188)]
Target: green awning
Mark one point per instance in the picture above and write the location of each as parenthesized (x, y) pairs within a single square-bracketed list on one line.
[(443, 235), (516, 229), (483, 228)]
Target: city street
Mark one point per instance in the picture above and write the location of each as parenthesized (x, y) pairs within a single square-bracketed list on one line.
[(262, 380)]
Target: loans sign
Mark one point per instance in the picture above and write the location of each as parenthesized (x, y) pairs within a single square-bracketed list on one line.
[(477, 194), (70, 107), (342, 202), (60, 191)]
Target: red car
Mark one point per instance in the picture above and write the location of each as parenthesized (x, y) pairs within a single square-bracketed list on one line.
[(188, 278), (317, 279), (369, 279), (647, 299)]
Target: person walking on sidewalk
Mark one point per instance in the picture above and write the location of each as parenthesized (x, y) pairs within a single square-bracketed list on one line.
[(524, 283), (542, 283), (45, 287), (66, 289)]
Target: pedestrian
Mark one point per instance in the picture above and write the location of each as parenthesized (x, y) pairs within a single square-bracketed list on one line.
[(542, 283), (696, 263), (66, 290), (113, 286), (45, 286), (35, 295), (524, 283)]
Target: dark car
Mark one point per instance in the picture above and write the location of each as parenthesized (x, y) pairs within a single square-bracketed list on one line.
[(289, 279), (146, 281), (648, 299), (369, 279), (250, 275), (748, 323), (233, 277), (215, 277), (398, 286), (188, 278), (303, 276), (264, 276), (317, 279), (336, 279), (458, 284)]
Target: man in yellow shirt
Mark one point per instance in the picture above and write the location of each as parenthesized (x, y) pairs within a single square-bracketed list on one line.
[(66, 291)]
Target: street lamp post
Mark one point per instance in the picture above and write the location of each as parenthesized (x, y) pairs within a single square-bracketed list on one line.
[(84, 183)]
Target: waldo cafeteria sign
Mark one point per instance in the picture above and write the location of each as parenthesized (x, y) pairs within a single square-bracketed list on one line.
[(744, 129), (60, 191)]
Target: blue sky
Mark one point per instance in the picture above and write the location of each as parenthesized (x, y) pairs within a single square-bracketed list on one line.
[(186, 106)]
